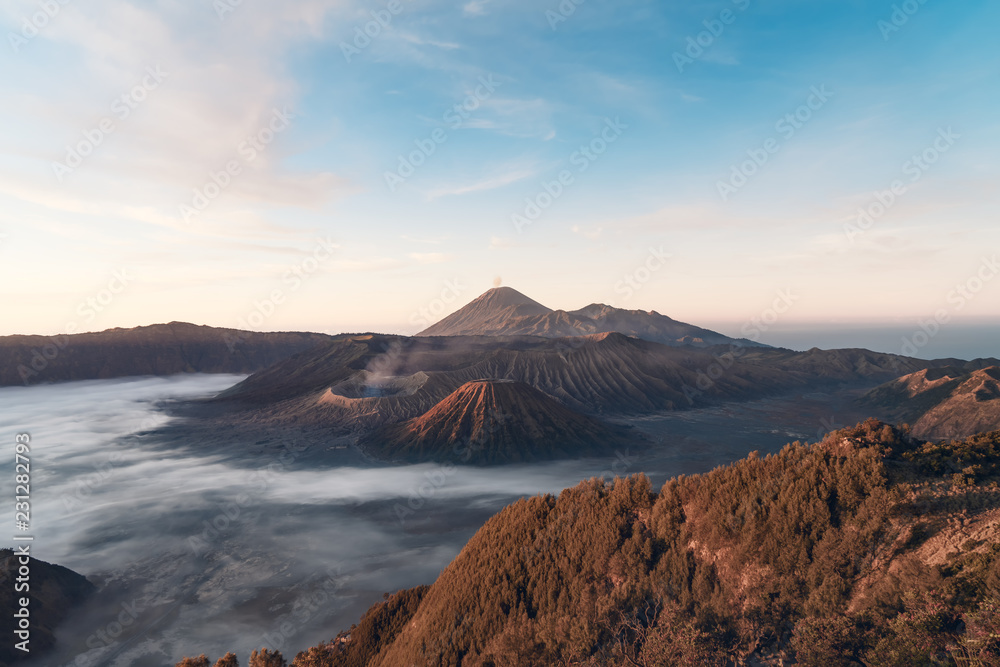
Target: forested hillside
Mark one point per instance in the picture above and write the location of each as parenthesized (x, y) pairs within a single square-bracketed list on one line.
[(868, 548)]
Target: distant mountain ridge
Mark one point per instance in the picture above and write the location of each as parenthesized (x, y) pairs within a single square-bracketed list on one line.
[(503, 311), (159, 349)]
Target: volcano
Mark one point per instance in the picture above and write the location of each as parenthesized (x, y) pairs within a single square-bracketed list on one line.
[(503, 311), (493, 421)]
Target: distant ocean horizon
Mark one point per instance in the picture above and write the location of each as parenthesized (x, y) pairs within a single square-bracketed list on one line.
[(961, 341)]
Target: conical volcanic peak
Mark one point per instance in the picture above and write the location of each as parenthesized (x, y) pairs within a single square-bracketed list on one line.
[(495, 421), (488, 314), (508, 297), (503, 311)]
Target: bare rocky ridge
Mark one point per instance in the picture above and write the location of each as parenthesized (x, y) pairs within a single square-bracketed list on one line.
[(942, 403), (494, 421), (504, 311)]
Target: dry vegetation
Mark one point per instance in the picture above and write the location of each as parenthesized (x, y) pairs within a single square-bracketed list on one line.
[(869, 548)]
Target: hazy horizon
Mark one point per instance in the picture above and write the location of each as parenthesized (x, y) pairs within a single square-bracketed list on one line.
[(968, 338)]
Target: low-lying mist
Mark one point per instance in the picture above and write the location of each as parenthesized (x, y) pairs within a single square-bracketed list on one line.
[(199, 551)]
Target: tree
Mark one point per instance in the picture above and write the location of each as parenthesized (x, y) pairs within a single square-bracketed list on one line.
[(228, 660), (323, 655), (200, 661), (266, 658), (981, 643), (917, 636), (835, 641)]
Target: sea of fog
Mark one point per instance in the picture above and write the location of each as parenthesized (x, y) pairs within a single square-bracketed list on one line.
[(196, 552)]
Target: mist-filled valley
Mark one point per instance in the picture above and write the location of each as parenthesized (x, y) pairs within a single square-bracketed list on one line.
[(202, 551)]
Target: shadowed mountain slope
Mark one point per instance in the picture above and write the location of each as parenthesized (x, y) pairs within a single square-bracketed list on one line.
[(358, 383), (491, 422), (942, 403)]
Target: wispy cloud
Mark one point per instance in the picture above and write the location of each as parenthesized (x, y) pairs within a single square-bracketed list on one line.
[(490, 183), (423, 41), (367, 264), (475, 7), (218, 92), (503, 243), (426, 240), (592, 233), (430, 257), (516, 117)]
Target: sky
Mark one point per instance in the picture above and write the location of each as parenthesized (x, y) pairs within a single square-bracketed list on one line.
[(353, 166)]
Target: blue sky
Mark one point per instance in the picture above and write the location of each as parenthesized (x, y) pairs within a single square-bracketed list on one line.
[(307, 234)]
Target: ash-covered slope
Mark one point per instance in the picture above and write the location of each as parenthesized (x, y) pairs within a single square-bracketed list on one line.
[(503, 311), (160, 349), (492, 422), (942, 403), (361, 382)]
